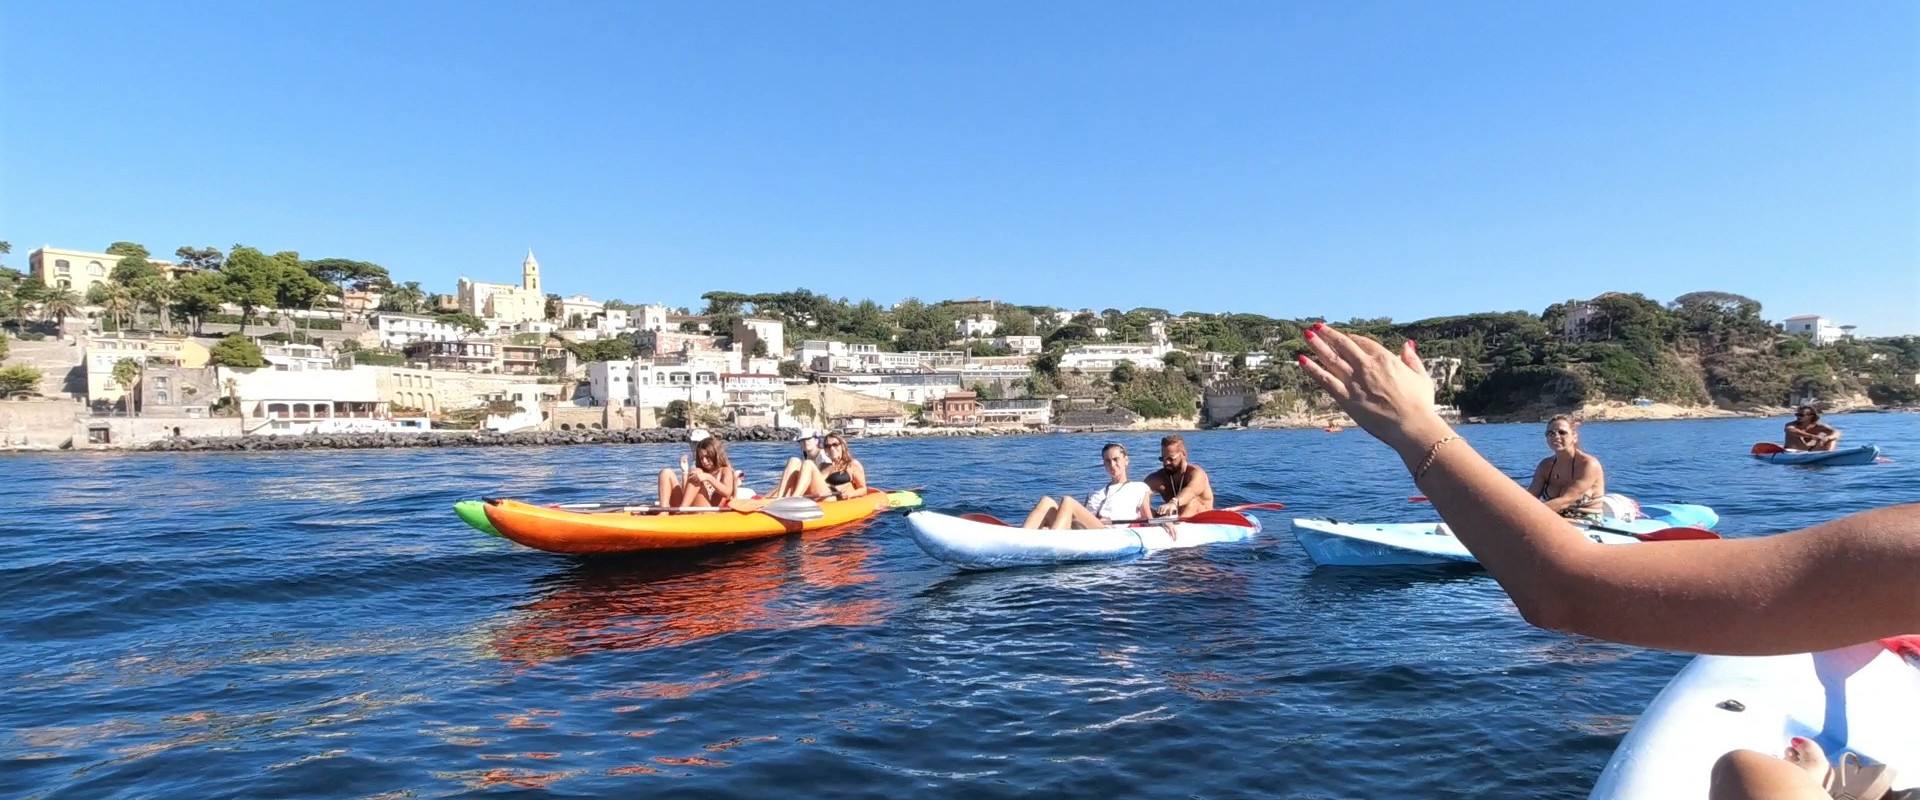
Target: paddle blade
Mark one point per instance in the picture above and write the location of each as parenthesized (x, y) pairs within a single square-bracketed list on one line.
[(1766, 449), (1219, 517), (793, 509), (1418, 498), (903, 499), (1676, 535), (988, 519), (1257, 507)]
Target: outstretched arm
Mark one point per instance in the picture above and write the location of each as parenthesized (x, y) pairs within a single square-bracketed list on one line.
[(1841, 583)]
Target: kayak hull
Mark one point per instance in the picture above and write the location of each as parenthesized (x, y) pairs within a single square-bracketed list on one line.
[(583, 533), (474, 513), (977, 545), (1344, 544), (1862, 698), (1847, 457)]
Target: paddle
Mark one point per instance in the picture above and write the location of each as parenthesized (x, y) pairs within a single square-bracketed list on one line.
[(1766, 449), (1662, 535), (1255, 507)]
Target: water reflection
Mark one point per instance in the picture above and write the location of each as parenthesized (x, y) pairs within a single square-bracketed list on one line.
[(671, 599)]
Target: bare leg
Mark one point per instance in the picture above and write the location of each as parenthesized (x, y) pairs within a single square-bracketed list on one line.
[(669, 488), (1074, 515), (1750, 775), (789, 485), (1041, 515), (814, 482)]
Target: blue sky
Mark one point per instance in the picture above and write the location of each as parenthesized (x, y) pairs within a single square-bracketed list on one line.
[(1403, 159)]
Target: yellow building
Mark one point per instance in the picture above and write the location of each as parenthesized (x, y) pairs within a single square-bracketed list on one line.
[(504, 301), (79, 270), (104, 351)]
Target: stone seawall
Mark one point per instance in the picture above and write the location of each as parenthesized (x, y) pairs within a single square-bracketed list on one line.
[(375, 441)]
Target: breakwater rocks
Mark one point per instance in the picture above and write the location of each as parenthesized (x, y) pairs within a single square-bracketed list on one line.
[(376, 441), (379, 441)]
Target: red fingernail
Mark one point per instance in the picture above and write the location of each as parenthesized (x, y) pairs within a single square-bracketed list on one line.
[(1319, 326), (1309, 334), (1303, 360)]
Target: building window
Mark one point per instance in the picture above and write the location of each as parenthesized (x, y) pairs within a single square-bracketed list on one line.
[(61, 266), (95, 270), (161, 397)]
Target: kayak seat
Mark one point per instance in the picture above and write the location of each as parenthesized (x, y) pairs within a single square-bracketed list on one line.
[(985, 518)]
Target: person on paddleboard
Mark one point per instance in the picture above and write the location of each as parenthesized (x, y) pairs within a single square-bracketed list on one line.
[(842, 475), (1834, 585), (1570, 481), (1184, 488), (1807, 432), (1120, 501), (708, 481)]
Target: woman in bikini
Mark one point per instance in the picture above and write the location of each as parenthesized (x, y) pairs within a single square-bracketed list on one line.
[(843, 476), (1120, 501), (709, 481), (1570, 481)]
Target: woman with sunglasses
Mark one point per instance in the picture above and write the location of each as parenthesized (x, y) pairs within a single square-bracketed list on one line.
[(843, 475), (1121, 500), (1570, 481), (1807, 432)]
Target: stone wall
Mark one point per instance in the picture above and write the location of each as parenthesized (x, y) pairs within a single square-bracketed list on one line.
[(125, 432), (37, 424)]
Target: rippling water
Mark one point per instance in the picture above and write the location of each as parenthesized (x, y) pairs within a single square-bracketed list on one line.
[(320, 625)]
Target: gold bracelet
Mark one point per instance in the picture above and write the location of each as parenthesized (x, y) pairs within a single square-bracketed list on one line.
[(1432, 453)]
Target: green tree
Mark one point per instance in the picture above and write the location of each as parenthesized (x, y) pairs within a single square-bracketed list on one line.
[(126, 372), (676, 414), (252, 281), (3, 346), (200, 294), (59, 304), (236, 350), (407, 298), (1122, 374), (159, 293), (18, 378), (132, 268), (200, 258), (118, 303), (128, 249), (465, 320)]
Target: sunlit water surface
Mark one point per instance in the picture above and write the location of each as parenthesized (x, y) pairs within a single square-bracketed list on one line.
[(320, 625)]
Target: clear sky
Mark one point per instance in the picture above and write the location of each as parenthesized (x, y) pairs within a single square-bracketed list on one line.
[(1404, 159)]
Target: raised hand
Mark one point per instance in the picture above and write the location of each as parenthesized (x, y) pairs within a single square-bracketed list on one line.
[(1389, 395)]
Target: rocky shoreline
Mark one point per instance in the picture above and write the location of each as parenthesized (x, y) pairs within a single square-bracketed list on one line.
[(384, 441)]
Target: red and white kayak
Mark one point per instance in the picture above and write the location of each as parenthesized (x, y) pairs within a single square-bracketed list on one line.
[(977, 541)]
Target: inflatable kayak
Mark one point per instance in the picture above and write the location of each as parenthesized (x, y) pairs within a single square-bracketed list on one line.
[(1863, 699), (474, 513), (977, 541), (1347, 544), (1848, 457), (559, 530)]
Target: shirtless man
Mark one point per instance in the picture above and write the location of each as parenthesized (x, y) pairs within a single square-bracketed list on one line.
[(1807, 432), (1184, 488), (1570, 481)]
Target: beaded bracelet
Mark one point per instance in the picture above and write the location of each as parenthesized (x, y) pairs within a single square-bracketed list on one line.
[(1432, 453)]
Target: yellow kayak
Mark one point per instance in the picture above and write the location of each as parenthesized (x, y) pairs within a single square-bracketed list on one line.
[(557, 530)]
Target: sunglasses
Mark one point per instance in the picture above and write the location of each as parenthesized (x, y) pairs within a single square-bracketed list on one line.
[(1558, 434)]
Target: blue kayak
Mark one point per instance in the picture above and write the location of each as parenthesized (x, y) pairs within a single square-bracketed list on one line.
[(1849, 457)]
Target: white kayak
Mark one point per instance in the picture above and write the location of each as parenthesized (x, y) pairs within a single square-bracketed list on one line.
[(1349, 544), (977, 541), (1863, 699)]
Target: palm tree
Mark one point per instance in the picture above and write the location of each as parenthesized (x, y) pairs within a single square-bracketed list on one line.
[(59, 303), (159, 292), (117, 302)]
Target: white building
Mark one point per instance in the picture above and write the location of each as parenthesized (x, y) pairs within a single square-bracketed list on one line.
[(613, 320), (916, 388), (528, 401), (293, 357), (610, 383), (1815, 327), (747, 331), (396, 330), (754, 398), (316, 401), (976, 326), (650, 318), (1019, 345), (1090, 357), (579, 311), (1157, 332)]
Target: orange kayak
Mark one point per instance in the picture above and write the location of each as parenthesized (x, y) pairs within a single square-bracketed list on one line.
[(559, 531)]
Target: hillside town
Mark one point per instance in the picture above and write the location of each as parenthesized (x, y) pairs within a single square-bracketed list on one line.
[(115, 349)]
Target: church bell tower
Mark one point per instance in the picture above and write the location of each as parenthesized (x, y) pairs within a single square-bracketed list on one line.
[(530, 273)]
